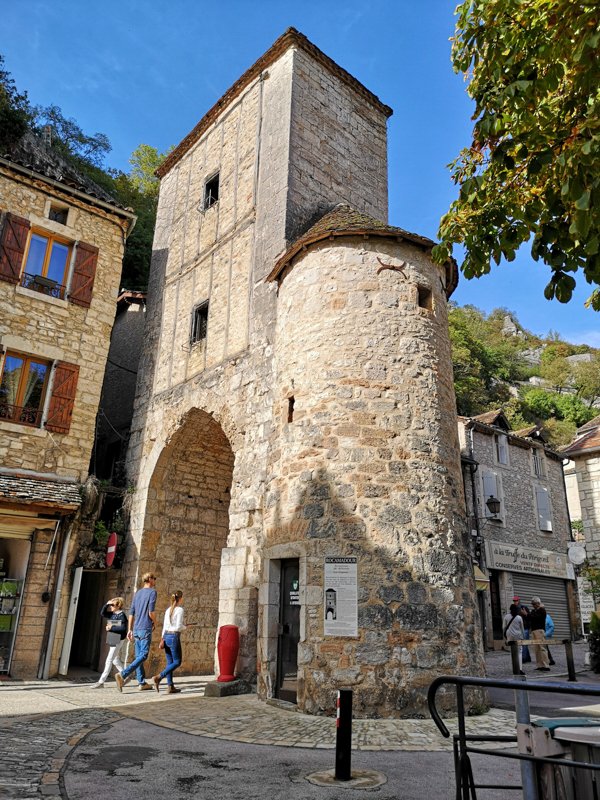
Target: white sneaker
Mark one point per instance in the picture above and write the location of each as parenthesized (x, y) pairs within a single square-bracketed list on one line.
[(99, 685)]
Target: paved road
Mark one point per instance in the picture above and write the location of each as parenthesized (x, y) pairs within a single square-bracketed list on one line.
[(64, 739)]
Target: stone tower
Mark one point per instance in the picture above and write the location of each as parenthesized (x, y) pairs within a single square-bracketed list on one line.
[(295, 412)]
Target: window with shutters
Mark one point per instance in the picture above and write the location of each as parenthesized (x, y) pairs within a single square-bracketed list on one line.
[(46, 265), (23, 384), (41, 260), (542, 500), (539, 466), (501, 448), (491, 485)]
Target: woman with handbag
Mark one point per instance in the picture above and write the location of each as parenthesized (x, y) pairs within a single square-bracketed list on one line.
[(116, 628), (170, 642)]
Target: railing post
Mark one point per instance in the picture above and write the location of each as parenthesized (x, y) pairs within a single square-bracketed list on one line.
[(523, 717), (343, 738), (570, 660)]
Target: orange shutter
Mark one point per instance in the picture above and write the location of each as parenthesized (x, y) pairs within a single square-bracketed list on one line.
[(60, 410), (12, 247), (84, 273)]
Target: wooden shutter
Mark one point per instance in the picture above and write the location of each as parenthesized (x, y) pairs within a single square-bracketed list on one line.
[(62, 400), (543, 508), (12, 247), (84, 272)]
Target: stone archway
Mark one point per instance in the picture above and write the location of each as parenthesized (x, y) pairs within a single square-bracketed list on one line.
[(186, 528)]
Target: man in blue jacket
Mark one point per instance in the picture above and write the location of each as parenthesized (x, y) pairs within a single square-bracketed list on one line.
[(142, 618)]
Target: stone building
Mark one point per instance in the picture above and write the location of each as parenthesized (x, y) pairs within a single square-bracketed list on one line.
[(61, 248), (583, 478), (522, 547), (294, 445)]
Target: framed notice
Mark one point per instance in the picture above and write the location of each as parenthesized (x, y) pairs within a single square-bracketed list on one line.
[(340, 596)]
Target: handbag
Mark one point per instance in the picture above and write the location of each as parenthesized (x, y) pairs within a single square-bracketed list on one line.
[(113, 639)]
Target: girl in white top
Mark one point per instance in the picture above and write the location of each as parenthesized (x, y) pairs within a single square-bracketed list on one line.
[(514, 630), (170, 642)]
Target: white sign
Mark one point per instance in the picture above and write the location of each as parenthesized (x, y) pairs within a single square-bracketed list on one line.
[(340, 596), (515, 558), (586, 599)]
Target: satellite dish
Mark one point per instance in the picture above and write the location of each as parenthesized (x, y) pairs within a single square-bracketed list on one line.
[(577, 554)]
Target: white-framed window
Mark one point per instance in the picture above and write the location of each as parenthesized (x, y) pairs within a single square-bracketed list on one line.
[(501, 448), (538, 462), (544, 512), (491, 486)]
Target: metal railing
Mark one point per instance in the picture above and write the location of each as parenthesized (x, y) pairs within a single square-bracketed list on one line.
[(38, 283), (22, 415), (465, 783)]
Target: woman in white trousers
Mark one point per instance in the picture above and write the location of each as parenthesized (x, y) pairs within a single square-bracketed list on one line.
[(116, 628)]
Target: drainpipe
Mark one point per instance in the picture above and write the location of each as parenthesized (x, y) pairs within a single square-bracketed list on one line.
[(45, 667)]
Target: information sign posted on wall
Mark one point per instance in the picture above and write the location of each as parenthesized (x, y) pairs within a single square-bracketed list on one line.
[(340, 608)]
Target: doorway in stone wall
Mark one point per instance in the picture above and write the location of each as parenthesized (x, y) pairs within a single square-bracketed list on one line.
[(289, 631), (185, 530)]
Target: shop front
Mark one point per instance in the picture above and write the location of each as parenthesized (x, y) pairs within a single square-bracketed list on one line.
[(529, 572)]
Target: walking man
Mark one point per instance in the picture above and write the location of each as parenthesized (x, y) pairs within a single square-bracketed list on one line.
[(537, 626), (140, 626)]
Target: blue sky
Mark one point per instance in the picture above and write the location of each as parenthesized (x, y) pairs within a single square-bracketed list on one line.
[(143, 71)]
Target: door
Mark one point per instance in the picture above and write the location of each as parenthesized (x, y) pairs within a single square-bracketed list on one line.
[(289, 631), (63, 665)]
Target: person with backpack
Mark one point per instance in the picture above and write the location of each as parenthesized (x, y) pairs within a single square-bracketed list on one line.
[(116, 631)]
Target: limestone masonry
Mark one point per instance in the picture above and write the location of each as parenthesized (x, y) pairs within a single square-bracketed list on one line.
[(296, 402)]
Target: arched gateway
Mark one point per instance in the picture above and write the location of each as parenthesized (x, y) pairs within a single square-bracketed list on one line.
[(186, 526), (316, 498)]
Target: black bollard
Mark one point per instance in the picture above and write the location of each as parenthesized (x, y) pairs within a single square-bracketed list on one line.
[(514, 654), (343, 738), (570, 660)]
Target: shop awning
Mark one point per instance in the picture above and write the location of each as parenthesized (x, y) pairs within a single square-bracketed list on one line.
[(482, 582)]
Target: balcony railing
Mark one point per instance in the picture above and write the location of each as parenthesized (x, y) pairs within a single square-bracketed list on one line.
[(22, 415), (43, 285)]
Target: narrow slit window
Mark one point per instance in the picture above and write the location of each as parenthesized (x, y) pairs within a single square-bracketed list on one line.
[(211, 191), (425, 298), (199, 323), (290, 415)]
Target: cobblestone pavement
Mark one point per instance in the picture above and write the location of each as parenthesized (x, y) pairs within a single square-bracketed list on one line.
[(42, 721)]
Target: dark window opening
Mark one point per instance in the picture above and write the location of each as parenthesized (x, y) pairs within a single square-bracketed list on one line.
[(290, 416), (199, 323), (58, 214), (425, 298), (211, 191)]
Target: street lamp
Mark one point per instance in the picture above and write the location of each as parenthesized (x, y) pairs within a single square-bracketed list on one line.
[(493, 505)]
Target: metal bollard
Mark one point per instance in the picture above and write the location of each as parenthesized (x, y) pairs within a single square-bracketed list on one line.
[(570, 660), (343, 738), (514, 654)]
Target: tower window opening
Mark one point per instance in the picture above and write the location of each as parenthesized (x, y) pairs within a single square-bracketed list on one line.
[(425, 298), (199, 323), (211, 192), (290, 414)]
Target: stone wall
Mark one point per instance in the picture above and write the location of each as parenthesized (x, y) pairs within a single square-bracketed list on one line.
[(588, 484)]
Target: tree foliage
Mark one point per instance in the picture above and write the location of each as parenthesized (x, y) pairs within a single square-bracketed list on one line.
[(532, 171), (15, 112)]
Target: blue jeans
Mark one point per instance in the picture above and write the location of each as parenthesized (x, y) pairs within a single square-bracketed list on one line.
[(142, 648), (173, 656)]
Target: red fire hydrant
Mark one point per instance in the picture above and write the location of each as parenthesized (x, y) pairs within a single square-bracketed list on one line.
[(228, 645)]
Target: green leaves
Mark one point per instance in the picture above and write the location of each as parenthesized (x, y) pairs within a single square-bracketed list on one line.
[(533, 169)]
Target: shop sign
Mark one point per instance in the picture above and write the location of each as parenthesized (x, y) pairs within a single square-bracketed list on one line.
[(340, 611), (515, 558), (586, 599)]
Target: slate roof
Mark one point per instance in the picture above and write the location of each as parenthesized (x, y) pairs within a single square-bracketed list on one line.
[(34, 154), (290, 38), (343, 220), (25, 489)]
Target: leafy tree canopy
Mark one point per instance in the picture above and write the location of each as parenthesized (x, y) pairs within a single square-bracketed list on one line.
[(532, 172), (15, 112)]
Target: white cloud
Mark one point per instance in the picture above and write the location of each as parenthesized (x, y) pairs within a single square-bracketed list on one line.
[(591, 337)]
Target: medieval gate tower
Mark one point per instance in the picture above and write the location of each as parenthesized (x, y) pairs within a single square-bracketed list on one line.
[(295, 421)]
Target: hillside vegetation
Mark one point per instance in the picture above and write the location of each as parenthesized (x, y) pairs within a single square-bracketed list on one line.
[(535, 380)]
